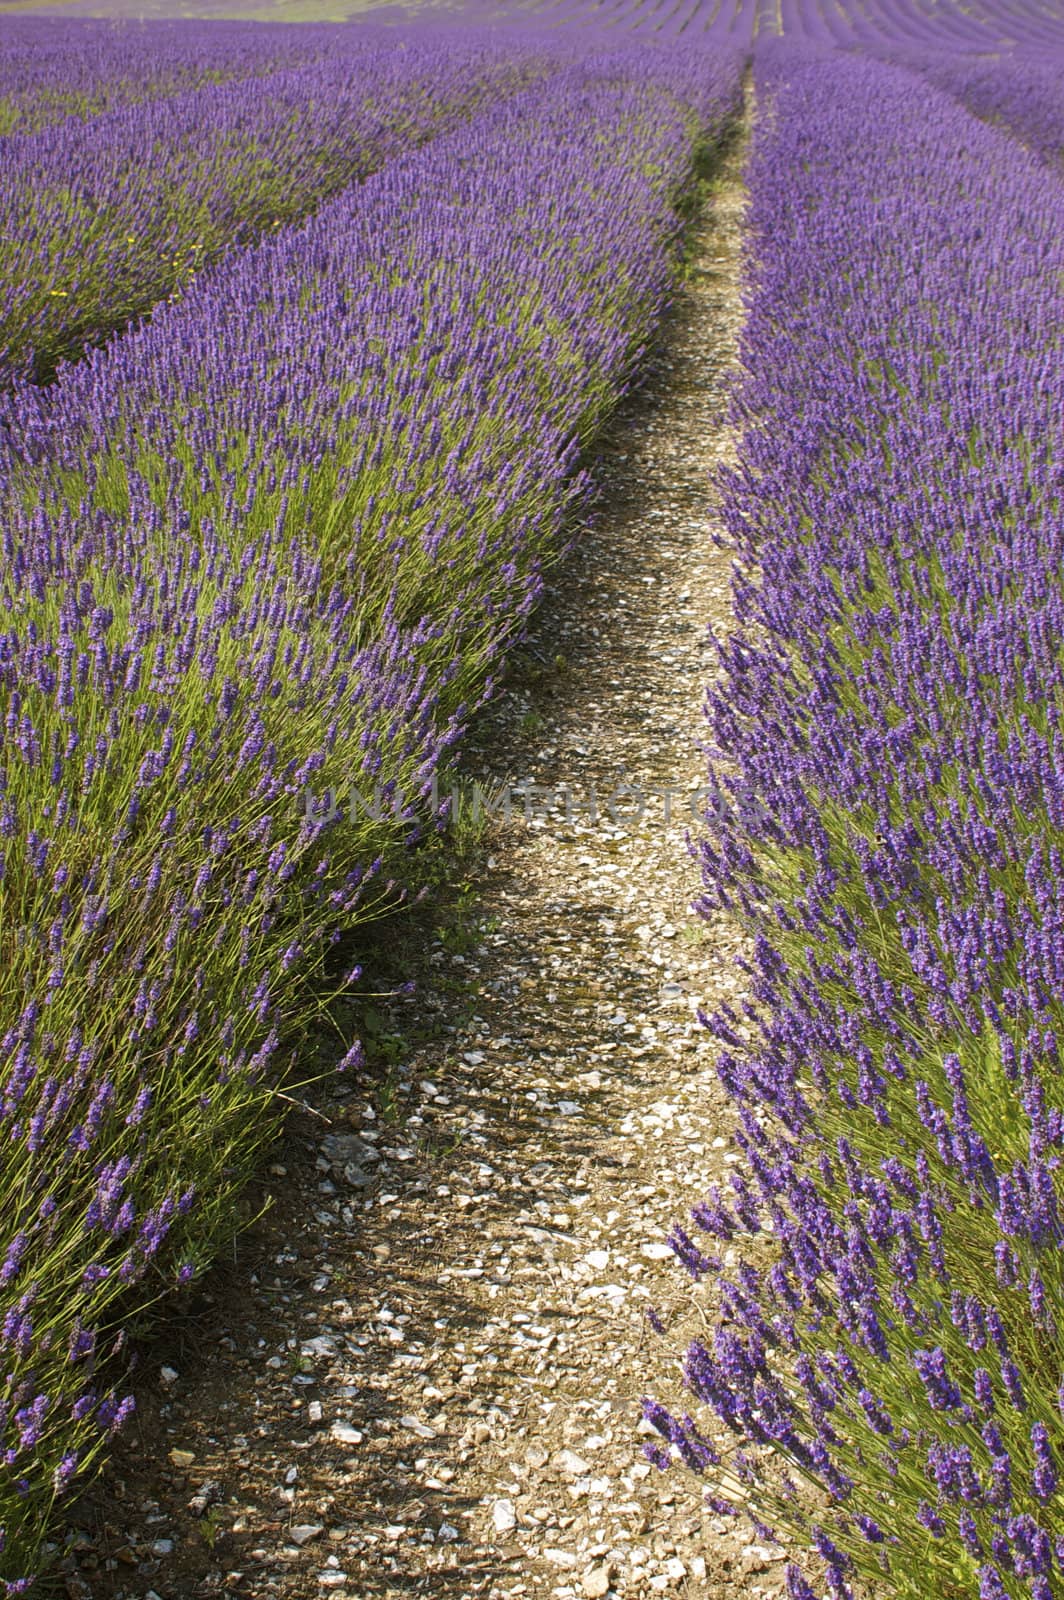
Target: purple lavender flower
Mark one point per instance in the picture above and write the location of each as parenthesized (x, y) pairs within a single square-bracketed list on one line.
[(1046, 1477), (990, 1584), (798, 1587)]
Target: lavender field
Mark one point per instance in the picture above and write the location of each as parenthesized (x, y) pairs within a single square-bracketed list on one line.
[(378, 398)]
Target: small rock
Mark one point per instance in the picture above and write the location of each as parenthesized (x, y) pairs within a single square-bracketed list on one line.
[(654, 1251), (304, 1532), (168, 1375), (208, 1494), (447, 1533), (340, 1148), (504, 1516), (573, 1464), (314, 1411), (757, 1558), (596, 1582), (323, 1345), (344, 1433), (182, 1458), (414, 1426)]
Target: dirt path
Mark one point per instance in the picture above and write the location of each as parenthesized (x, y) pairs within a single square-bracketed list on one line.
[(434, 1386)]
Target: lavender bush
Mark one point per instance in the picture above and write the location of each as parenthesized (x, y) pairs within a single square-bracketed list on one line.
[(889, 1357), (278, 538)]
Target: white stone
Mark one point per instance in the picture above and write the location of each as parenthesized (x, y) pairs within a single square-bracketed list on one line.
[(323, 1345), (304, 1532), (344, 1433), (504, 1516), (414, 1426)]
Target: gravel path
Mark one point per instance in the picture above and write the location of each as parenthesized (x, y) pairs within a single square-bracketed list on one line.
[(430, 1382)]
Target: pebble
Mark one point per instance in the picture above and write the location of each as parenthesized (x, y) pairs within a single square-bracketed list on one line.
[(303, 1532), (344, 1433), (503, 1516), (413, 1425)]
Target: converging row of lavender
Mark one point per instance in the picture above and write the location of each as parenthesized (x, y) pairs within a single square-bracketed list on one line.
[(885, 1385), (52, 68), (100, 221)]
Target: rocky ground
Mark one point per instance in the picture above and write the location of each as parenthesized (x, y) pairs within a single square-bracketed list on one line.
[(422, 1373)]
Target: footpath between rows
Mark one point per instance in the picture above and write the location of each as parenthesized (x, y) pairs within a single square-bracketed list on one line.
[(423, 1374)]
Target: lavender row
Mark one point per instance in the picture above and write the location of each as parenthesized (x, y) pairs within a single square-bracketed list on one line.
[(277, 540), (891, 1332), (1022, 95), (99, 223), (52, 68)]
